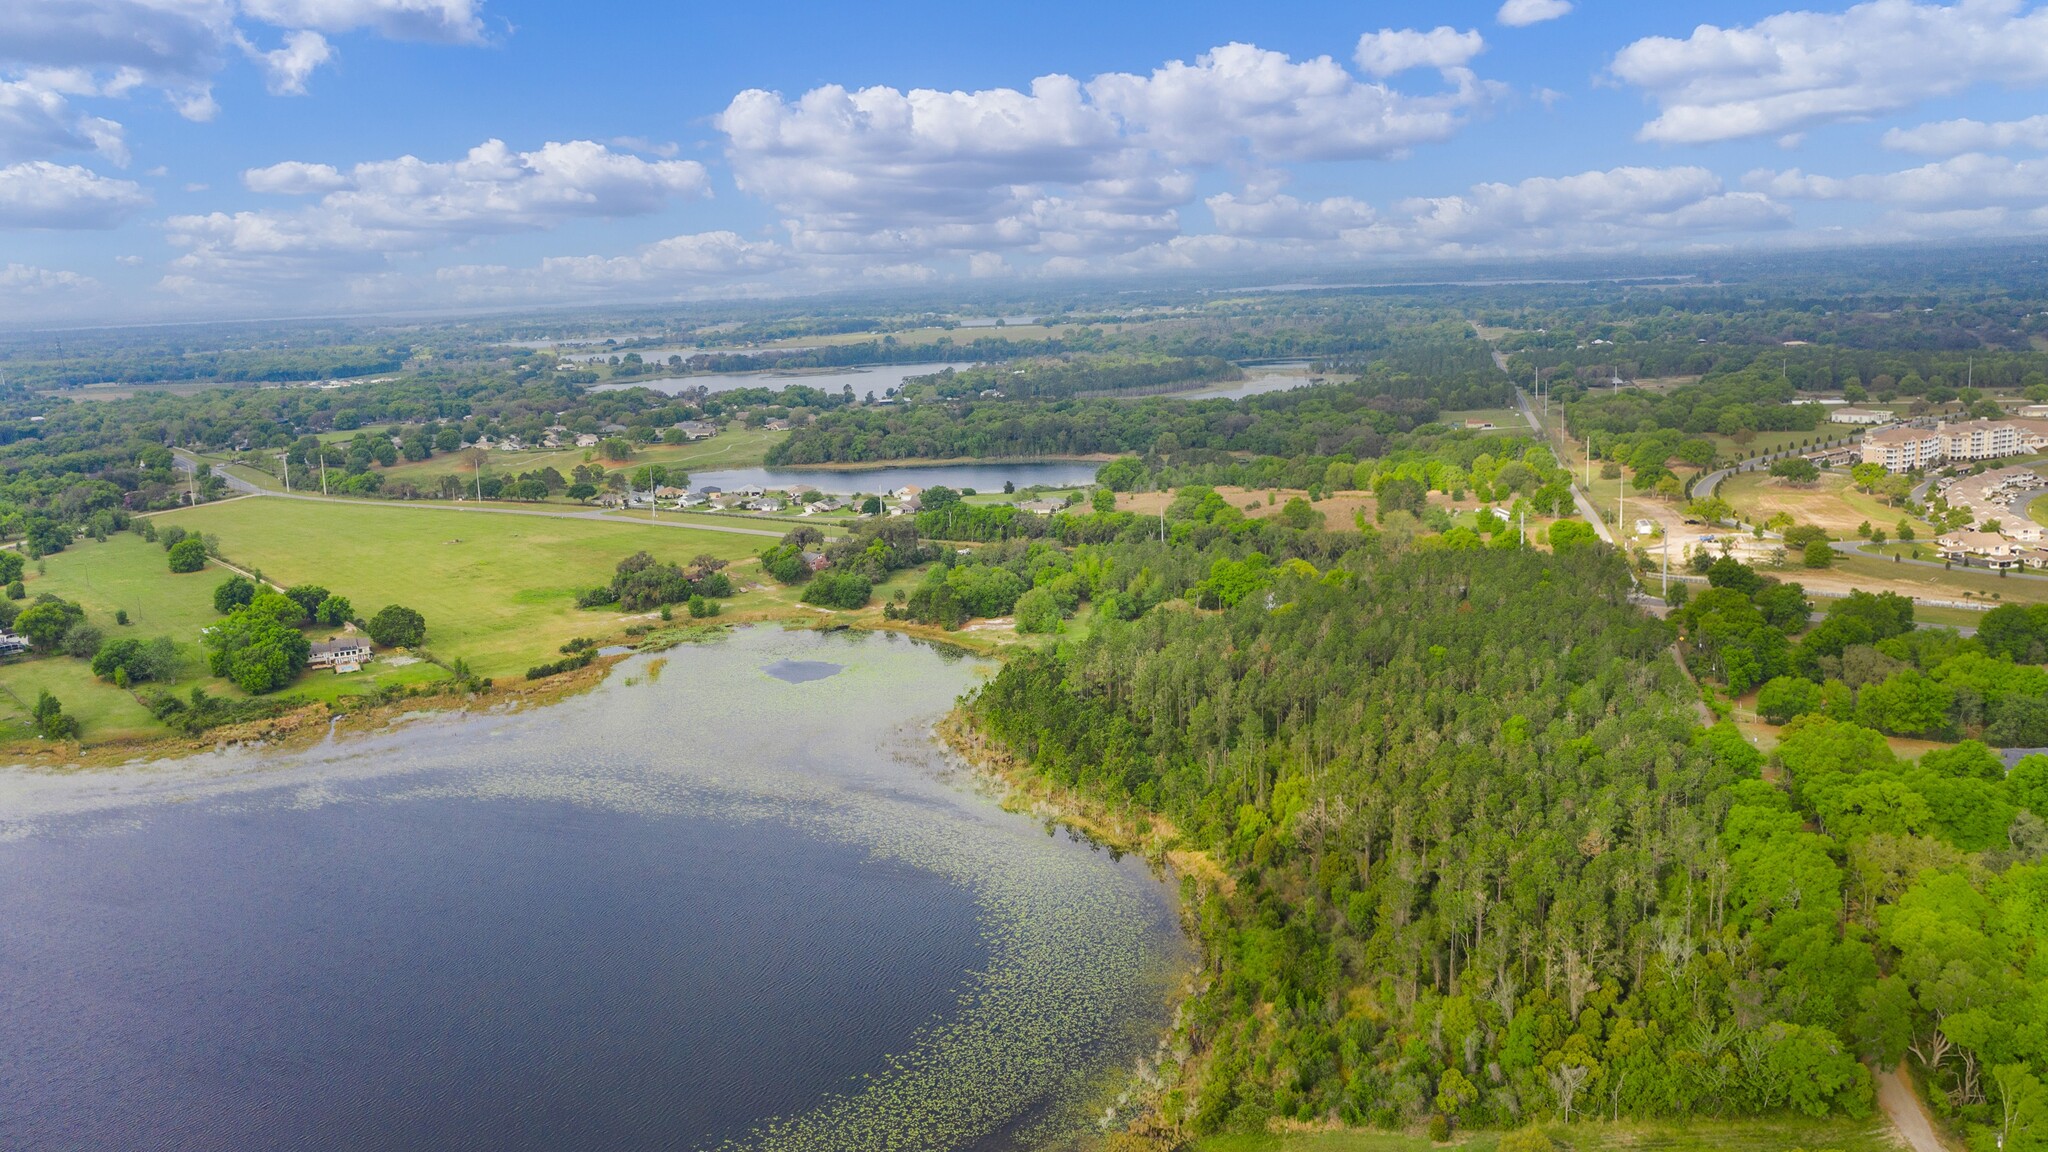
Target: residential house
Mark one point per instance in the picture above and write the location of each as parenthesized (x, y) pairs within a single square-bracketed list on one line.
[(815, 561), (695, 429), (343, 654), (12, 645), (1985, 549), (1479, 425), (587, 440), (1043, 507), (776, 425)]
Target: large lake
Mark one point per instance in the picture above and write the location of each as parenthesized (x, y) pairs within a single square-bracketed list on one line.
[(984, 477), (877, 378), (732, 899)]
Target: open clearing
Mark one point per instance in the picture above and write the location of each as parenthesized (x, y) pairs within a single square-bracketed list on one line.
[(498, 591), (1831, 503)]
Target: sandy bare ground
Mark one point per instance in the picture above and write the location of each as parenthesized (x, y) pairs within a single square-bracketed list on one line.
[(1896, 1097)]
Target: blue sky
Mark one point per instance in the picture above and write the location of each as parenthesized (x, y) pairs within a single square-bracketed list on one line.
[(166, 158)]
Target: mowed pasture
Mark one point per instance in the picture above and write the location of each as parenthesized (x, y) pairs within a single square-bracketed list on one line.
[(497, 590), (129, 574)]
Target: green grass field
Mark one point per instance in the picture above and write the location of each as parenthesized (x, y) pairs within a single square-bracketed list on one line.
[(1873, 1135), (129, 573), (497, 590)]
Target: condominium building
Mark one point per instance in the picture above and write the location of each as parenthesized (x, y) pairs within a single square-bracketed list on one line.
[(1903, 449)]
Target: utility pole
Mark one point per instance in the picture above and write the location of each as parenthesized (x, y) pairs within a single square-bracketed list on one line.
[(477, 465), (1667, 564), (284, 466), (323, 469)]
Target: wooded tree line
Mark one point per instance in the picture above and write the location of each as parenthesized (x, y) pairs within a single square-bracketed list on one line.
[(1046, 377), (1488, 866)]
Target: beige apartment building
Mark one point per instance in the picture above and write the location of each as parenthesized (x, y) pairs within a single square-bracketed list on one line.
[(1903, 449)]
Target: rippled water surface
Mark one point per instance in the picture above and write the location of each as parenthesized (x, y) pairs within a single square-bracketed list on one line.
[(729, 900)]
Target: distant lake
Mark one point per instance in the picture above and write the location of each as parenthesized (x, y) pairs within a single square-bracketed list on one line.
[(710, 905), (877, 378), (982, 477), (1259, 380)]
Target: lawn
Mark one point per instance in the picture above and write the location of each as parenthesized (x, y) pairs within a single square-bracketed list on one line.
[(1837, 1135), (1832, 503), (129, 573), (498, 591), (2038, 511), (104, 712)]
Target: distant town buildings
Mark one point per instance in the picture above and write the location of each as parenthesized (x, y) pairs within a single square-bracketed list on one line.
[(1860, 416)]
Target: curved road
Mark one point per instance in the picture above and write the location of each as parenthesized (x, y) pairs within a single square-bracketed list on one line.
[(246, 488)]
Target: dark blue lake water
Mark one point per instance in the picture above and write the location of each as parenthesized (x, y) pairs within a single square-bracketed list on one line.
[(703, 907)]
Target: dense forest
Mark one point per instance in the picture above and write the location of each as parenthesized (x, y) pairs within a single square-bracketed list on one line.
[(1488, 867)]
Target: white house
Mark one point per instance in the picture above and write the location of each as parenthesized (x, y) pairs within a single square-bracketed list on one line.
[(343, 654), (1860, 416)]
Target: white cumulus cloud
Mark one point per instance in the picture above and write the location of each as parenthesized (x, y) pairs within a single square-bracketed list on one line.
[(37, 121), (1522, 13), (386, 207), (1796, 70), (294, 178), (1069, 165), (1281, 216), (1951, 137), (449, 21), (39, 194), (29, 280), (1969, 182), (56, 53), (1390, 51)]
